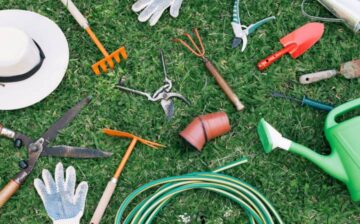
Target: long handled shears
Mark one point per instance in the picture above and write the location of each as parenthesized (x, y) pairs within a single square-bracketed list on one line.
[(39, 147), (241, 31)]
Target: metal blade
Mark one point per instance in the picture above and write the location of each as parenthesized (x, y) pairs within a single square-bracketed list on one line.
[(236, 42), (74, 152), (52, 132), (303, 38), (168, 106), (281, 95)]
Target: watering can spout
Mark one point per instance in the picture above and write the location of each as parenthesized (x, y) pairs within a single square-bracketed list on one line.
[(331, 164), (272, 139)]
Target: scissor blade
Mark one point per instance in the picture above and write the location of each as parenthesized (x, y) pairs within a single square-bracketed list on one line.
[(168, 106), (52, 132), (236, 42), (74, 152)]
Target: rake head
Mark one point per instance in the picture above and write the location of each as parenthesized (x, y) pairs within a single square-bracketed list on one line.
[(122, 134), (108, 61), (197, 49)]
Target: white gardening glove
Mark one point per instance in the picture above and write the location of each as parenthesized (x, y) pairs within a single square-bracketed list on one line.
[(153, 9), (62, 203)]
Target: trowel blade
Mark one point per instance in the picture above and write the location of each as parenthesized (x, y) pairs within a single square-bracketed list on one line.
[(303, 38), (351, 69)]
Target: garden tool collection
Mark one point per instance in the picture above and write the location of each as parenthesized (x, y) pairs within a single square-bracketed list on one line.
[(63, 203), (163, 94), (347, 11), (296, 43), (343, 162), (241, 31), (199, 51), (109, 190), (305, 101), (349, 70), (39, 147), (108, 58)]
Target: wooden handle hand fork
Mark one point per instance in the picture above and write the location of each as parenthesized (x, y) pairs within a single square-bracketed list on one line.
[(109, 190), (199, 51)]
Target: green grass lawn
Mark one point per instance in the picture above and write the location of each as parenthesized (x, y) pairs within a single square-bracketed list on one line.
[(298, 189)]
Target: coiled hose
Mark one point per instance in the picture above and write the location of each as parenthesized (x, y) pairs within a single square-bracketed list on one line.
[(258, 209)]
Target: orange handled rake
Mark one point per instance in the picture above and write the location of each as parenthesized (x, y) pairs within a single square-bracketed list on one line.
[(110, 188), (108, 58), (199, 51)]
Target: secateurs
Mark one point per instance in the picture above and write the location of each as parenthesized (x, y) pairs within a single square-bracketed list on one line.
[(241, 31), (39, 147), (163, 94)]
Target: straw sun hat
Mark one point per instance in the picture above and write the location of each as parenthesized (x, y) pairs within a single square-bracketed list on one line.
[(34, 56)]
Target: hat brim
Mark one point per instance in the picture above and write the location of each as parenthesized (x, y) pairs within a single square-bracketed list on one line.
[(53, 42)]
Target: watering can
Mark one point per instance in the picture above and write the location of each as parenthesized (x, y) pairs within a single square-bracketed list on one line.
[(347, 11), (343, 163)]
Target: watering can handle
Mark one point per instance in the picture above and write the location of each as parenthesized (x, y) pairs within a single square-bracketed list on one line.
[(340, 110)]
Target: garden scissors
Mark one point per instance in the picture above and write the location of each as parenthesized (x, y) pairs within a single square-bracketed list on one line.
[(241, 31), (39, 147), (163, 94)]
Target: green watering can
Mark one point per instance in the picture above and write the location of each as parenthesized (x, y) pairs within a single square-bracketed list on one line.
[(343, 162)]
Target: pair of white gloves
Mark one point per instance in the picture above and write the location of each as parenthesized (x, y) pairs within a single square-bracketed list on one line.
[(153, 9)]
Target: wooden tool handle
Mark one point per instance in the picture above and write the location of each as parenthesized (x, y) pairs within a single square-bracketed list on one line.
[(76, 13), (224, 86), (8, 191), (104, 201), (7, 132), (262, 65), (317, 76)]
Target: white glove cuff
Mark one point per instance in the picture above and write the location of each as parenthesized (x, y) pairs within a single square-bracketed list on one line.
[(75, 220)]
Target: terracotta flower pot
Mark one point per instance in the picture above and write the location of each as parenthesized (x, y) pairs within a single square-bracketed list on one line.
[(206, 127)]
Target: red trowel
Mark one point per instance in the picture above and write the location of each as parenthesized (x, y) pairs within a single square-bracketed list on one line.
[(296, 43)]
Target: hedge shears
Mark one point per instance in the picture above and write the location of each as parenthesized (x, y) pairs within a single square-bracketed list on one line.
[(241, 31), (39, 147)]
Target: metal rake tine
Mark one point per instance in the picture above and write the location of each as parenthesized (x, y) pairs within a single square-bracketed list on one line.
[(187, 46), (153, 145), (200, 41), (193, 42)]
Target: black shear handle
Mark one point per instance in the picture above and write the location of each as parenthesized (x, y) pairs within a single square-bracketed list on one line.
[(12, 187)]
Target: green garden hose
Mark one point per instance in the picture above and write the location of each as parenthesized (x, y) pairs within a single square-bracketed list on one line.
[(258, 209)]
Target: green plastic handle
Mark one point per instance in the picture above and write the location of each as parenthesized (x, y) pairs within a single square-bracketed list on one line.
[(340, 110), (316, 104), (256, 25)]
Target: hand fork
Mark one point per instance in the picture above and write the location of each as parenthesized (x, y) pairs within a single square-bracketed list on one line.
[(108, 58)]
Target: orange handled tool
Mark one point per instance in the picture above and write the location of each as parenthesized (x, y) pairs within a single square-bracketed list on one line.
[(108, 58), (109, 190)]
